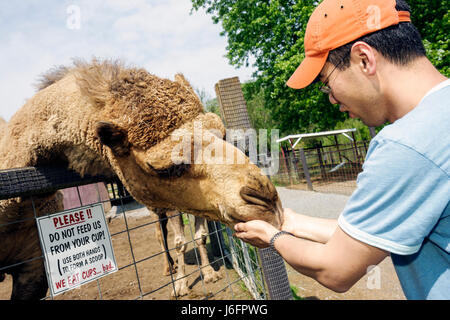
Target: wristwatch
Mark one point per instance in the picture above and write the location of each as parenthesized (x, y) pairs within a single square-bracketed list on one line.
[(276, 236)]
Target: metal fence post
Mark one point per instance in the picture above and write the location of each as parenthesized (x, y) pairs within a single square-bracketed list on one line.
[(275, 274)]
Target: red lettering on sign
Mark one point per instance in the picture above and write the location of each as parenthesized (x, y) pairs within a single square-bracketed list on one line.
[(89, 273), (108, 267), (60, 284), (69, 219), (73, 279)]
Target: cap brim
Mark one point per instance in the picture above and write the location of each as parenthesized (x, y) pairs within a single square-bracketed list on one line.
[(307, 72)]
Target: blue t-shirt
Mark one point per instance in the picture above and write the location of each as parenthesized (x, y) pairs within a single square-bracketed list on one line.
[(402, 200)]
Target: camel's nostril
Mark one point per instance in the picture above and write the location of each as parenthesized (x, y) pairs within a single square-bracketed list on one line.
[(253, 196), (279, 213), (263, 205)]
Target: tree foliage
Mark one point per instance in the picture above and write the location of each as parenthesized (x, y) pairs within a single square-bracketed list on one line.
[(260, 116), (433, 22), (269, 35)]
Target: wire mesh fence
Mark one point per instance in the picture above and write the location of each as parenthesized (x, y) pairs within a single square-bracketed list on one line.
[(332, 169), (191, 264)]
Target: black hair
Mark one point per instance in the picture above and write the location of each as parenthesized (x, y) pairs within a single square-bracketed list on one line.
[(400, 44)]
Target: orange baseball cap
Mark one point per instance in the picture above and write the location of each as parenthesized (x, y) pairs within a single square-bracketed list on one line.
[(337, 22)]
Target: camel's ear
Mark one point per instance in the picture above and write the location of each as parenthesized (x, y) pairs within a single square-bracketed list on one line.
[(113, 137)]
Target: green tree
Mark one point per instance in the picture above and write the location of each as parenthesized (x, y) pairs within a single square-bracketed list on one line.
[(271, 34), (260, 116), (433, 22), (210, 104)]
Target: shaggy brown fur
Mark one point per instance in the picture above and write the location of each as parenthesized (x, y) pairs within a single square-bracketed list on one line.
[(105, 118), (156, 106), (51, 76)]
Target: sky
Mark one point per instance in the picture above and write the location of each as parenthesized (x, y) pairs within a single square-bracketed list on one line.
[(161, 36)]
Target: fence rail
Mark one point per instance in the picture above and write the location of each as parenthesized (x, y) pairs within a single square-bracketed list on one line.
[(31, 181)]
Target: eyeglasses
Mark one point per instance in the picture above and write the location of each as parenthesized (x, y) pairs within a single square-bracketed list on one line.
[(326, 88)]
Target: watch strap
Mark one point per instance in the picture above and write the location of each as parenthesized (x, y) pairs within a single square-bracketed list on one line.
[(276, 236)]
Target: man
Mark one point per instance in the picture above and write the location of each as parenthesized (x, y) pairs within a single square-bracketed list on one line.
[(372, 63)]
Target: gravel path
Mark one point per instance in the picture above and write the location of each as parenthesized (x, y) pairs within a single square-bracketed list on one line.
[(316, 204), (327, 205)]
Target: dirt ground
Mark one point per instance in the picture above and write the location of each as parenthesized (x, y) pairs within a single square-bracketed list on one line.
[(144, 279)]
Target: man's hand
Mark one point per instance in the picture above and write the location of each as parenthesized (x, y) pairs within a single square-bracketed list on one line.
[(256, 232)]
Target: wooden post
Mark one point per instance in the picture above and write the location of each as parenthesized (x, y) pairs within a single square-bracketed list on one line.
[(305, 169), (337, 148), (295, 164), (319, 155), (286, 163), (356, 147)]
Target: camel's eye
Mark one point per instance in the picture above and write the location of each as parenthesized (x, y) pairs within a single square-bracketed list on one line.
[(173, 171)]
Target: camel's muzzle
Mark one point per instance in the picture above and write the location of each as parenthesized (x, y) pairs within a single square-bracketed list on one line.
[(268, 201)]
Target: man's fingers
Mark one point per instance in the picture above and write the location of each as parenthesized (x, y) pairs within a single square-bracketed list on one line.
[(239, 227), (240, 230)]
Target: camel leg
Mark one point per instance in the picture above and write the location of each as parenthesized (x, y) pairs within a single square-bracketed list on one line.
[(169, 266), (181, 282), (29, 281), (209, 275)]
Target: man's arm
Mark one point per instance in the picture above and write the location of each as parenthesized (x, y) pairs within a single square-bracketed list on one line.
[(337, 264), (310, 228)]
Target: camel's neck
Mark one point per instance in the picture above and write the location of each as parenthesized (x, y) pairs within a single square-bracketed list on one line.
[(54, 128)]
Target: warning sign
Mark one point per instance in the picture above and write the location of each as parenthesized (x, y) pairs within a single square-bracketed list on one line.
[(77, 247)]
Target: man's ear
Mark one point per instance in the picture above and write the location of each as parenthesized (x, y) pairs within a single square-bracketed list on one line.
[(113, 137), (365, 56)]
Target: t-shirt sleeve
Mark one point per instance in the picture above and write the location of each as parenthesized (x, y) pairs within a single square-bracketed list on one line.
[(400, 196)]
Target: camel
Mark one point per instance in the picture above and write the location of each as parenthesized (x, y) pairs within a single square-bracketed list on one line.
[(104, 118)]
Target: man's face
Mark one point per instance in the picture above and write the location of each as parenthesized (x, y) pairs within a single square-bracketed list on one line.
[(355, 93)]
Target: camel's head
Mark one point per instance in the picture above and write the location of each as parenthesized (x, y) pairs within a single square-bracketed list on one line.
[(169, 153)]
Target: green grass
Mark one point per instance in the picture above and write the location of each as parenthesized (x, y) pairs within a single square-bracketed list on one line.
[(295, 295)]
